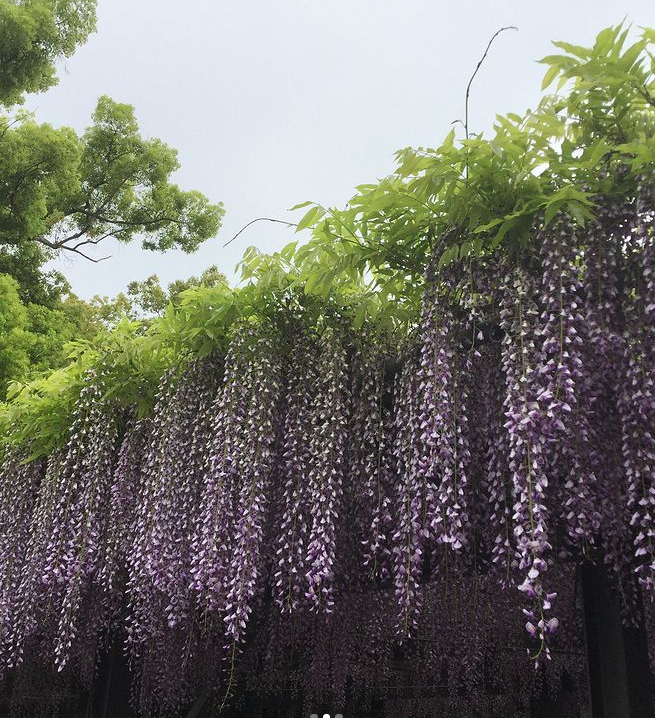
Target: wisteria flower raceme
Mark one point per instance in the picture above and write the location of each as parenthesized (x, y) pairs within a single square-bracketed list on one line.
[(326, 475), (294, 524), (322, 509), (373, 472), (407, 538), (527, 427)]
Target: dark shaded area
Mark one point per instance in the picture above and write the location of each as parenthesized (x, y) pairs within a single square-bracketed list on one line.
[(620, 679)]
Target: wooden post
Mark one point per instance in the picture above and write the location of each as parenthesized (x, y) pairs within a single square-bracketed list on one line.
[(620, 681)]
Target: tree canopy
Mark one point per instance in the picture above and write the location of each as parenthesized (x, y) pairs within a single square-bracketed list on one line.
[(64, 192), (468, 199), (451, 381), (147, 299), (67, 192), (34, 34)]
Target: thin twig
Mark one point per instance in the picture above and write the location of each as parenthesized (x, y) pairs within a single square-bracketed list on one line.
[(86, 256), (259, 219), (475, 72)]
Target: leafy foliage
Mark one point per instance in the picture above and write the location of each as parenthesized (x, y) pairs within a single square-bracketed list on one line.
[(67, 192), (38, 170), (14, 360), (147, 299), (33, 336), (36, 285), (33, 35), (60, 191), (471, 197)]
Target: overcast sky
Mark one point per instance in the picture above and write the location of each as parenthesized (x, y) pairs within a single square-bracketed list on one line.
[(274, 102)]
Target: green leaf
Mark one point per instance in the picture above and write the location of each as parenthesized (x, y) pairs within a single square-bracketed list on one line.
[(582, 52), (552, 72), (310, 218), (360, 316), (301, 205), (489, 225), (552, 209), (288, 251)]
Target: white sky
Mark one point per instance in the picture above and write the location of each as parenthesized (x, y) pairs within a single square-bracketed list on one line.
[(273, 103)]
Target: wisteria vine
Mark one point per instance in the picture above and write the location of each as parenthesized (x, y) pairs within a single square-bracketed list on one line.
[(320, 511)]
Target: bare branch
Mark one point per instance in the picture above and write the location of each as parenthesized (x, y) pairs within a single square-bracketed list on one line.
[(475, 72), (65, 245), (8, 125), (93, 242), (47, 243), (86, 256), (259, 219)]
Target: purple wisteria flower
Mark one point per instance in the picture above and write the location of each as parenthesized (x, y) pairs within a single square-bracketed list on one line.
[(637, 398), (444, 463), (562, 381), (19, 487), (527, 427), (408, 509), (372, 472), (326, 474), (334, 513), (254, 456), (293, 529)]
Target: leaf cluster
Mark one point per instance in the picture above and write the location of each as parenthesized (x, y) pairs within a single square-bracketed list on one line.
[(69, 192), (468, 198), (34, 34), (133, 355), (473, 196)]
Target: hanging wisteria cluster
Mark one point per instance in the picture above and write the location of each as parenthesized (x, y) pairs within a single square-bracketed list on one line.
[(330, 515)]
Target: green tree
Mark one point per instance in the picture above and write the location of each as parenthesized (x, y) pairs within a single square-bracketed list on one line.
[(148, 299), (34, 34), (65, 192), (33, 337), (14, 337)]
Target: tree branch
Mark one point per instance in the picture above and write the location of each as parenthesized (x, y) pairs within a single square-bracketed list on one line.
[(65, 243), (259, 219), (93, 242), (475, 72), (86, 256), (8, 125)]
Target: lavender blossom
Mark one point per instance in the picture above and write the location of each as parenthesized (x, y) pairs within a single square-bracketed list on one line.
[(371, 458), (637, 400), (255, 447), (293, 529), (407, 538), (527, 426), (563, 383), (326, 476)]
